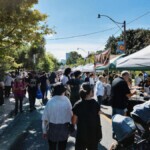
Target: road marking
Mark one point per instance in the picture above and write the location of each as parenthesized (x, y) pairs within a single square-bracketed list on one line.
[(106, 118)]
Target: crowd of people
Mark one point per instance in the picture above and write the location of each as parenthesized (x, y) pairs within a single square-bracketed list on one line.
[(73, 101)]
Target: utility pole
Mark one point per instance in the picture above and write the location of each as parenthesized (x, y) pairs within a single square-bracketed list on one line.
[(124, 27), (117, 24)]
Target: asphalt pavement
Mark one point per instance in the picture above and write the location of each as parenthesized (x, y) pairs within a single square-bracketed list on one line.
[(24, 132), (32, 136)]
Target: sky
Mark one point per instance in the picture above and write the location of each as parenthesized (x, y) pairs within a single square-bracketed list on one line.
[(79, 17)]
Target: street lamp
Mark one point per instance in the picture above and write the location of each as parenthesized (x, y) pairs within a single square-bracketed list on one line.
[(124, 26), (85, 52)]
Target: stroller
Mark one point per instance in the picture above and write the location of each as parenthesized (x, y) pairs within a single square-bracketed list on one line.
[(124, 129), (141, 116)]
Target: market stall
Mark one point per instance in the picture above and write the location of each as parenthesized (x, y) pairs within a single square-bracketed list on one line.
[(111, 65)]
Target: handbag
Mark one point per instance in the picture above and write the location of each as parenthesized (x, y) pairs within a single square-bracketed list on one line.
[(39, 94)]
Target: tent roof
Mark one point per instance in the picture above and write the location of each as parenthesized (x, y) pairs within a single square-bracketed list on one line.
[(136, 61)]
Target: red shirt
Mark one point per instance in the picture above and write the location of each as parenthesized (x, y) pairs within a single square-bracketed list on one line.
[(19, 88)]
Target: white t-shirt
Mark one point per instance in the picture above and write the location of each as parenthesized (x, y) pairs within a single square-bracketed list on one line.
[(64, 79), (147, 90), (58, 110), (137, 81), (8, 81), (91, 81), (99, 88)]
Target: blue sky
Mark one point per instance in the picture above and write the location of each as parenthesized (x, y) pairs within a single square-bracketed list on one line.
[(77, 17)]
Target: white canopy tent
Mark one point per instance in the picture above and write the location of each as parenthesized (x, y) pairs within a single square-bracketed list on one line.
[(88, 68), (80, 68), (136, 61)]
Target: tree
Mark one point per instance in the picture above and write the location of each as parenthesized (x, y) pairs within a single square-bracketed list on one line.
[(135, 40), (74, 56), (47, 63), (20, 24), (111, 43), (21, 33)]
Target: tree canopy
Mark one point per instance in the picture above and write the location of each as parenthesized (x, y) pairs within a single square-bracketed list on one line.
[(21, 24), (73, 57), (135, 40), (22, 28)]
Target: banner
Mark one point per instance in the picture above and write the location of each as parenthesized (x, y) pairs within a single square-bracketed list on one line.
[(102, 59), (120, 47)]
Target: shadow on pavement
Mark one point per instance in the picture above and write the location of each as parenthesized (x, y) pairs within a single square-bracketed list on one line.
[(101, 147)]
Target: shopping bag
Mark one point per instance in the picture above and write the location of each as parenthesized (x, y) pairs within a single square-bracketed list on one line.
[(39, 94)]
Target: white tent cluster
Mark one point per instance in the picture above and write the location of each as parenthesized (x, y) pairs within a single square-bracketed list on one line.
[(86, 68), (139, 60), (136, 61)]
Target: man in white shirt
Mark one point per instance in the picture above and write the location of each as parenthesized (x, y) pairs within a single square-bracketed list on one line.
[(8, 84), (100, 89)]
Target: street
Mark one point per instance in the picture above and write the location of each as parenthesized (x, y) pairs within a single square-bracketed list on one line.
[(33, 138)]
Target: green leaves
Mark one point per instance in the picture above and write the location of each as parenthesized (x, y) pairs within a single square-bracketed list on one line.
[(135, 40), (20, 23)]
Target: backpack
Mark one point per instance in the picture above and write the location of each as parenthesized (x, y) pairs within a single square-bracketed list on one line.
[(39, 94)]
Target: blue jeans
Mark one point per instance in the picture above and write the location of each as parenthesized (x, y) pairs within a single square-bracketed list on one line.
[(118, 111), (99, 98)]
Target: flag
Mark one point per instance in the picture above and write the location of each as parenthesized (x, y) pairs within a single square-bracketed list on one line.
[(102, 59), (120, 47)]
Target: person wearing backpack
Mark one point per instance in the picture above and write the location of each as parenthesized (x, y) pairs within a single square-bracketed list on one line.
[(19, 92)]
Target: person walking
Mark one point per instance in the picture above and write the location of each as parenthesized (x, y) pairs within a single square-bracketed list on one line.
[(43, 82), (100, 89), (19, 92), (86, 116), (8, 84), (1, 93), (56, 118), (74, 85), (32, 89)]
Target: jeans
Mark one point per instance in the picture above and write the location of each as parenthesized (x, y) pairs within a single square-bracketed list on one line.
[(100, 98), (118, 111), (18, 98), (61, 145), (7, 91), (32, 98)]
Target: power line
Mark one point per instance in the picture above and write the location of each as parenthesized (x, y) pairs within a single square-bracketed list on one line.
[(92, 33), (139, 17), (133, 21), (70, 37)]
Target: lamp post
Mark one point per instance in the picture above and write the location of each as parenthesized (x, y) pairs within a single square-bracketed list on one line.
[(85, 52), (123, 25)]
